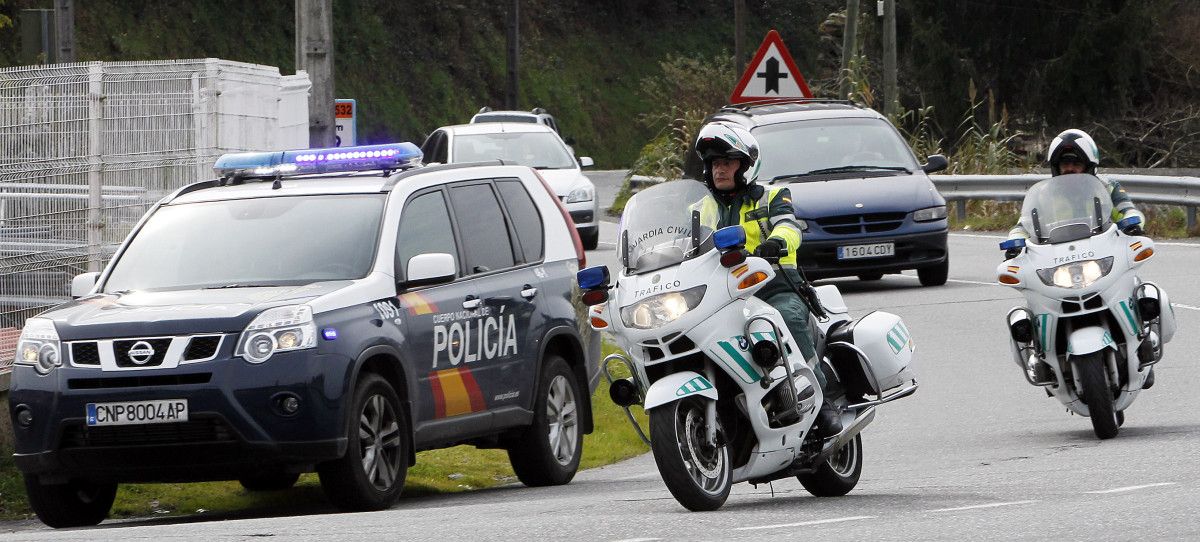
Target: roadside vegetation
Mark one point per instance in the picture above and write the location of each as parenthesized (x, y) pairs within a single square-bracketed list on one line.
[(450, 470)]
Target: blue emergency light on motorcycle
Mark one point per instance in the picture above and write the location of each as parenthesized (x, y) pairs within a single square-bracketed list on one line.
[(1012, 243), (391, 156), (729, 237), (593, 277), (1129, 221)]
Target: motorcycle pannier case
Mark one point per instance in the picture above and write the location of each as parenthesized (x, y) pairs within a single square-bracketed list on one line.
[(889, 348)]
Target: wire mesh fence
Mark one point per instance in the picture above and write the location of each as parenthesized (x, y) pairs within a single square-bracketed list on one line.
[(86, 149)]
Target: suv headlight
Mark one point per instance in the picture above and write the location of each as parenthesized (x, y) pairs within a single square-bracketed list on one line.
[(280, 329), (661, 309), (39, 346), (930, 214), (582, 193), (1076, 275)]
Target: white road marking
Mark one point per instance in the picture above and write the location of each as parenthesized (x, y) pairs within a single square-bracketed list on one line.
[(978, 506), (1182, 306), (1156, 243), (963, 281), (803, 523), (644, 475), (1129, 488)]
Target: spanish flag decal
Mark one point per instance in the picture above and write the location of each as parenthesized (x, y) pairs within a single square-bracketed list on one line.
[(416, 304), (455, 392)]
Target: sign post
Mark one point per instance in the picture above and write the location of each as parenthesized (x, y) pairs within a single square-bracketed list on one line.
[(345, 117), (771, 75)]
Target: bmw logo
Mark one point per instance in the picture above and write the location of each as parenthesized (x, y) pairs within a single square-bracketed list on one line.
[(140, 353), (655, 279)]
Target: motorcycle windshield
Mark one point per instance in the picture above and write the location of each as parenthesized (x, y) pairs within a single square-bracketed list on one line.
[(661, 227), (1066, 208)]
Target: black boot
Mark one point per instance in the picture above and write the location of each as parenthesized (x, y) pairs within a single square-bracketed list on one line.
[(829, 421), (1149, 383)]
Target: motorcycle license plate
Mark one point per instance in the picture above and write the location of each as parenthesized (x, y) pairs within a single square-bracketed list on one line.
[(876, 250), (137, 412)]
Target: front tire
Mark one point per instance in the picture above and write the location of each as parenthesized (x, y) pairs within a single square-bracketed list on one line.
[(1098, 395), (371, 474), (549, 451), (698, 475), (935, 275), (77, 503), (838, 474)]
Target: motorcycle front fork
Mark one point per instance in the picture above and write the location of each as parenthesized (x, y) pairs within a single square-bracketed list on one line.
[(710, 408)]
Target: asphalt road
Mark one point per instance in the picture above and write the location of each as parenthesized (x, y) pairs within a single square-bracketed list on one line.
[(976, 454)]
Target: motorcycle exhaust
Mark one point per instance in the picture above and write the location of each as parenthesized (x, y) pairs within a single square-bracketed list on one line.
[(848, 433)]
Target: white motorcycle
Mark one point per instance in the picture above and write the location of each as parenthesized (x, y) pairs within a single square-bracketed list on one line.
[(729, 396), (1096, 327)]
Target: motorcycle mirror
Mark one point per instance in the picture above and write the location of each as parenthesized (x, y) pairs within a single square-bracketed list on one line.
[(730, 237)]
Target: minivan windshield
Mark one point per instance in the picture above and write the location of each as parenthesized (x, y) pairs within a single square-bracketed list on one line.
[(657, 226), (1066, 208), (540, 150), (795, 150), (241, 243)]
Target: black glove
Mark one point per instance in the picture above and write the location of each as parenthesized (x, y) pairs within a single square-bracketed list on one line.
[(1134, 229), (771, 248), (1012, 253)]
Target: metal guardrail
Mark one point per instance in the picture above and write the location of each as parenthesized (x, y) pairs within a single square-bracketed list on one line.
[(1155, 189)]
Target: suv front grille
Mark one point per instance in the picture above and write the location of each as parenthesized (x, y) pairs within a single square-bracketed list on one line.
[(864, 223), (121, 350), (202, 347), (194, 431), (85, 353)]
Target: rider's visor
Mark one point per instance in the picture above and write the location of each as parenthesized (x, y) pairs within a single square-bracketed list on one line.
[(1076, 275)]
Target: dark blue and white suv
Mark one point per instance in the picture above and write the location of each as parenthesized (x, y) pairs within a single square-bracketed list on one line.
[(333, 310)]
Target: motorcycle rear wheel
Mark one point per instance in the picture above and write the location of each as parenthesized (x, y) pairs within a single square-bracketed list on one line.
[(697, 474), (1096, 392), (838, 474)]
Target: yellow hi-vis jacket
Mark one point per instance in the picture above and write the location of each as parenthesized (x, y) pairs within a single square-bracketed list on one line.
[(764, 213)]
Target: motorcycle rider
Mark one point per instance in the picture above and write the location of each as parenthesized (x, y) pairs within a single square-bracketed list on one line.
[(731, 163), (1074, 151)]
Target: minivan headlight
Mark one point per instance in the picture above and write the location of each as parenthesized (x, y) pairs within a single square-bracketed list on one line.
[(39, 346), (582, 193), (661, 309), (280, 329), (1076, 275), (930, 214)]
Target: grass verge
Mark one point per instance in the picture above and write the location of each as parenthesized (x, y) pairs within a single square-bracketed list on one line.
[(462, 468)]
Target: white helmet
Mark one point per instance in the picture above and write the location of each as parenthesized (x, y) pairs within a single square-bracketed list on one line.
[(1075, 145), (728, 140)]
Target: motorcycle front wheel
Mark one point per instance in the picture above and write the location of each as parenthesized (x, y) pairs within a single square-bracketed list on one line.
[(697, 474), (1097, 393)]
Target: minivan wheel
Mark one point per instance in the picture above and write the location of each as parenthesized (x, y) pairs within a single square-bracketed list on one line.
[(371, 474), (77, 503), (934, 275), (548, 452)]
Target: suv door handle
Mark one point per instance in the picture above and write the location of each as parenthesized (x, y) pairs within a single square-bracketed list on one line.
[(472, 302), (528, 292)]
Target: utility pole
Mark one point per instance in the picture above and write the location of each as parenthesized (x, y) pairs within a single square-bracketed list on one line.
[(739, 31), (314, 54), (512, 92), (64, 19), (849, 46), (890, 97)]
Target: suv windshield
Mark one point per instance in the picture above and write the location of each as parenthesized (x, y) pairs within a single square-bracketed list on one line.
[(1066, 208), (829, 145), (541, 150), (252, 242), (656, 227)]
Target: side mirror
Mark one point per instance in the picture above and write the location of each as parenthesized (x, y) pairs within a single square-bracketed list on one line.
[(82, 285), (936, 163), (586, 161), (433, 268)]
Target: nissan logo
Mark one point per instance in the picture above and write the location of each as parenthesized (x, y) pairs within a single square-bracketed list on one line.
[(140, 352)]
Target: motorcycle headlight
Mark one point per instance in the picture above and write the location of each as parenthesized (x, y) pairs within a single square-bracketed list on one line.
[(39, 346), (583, 193), (1076, 275), (280, 329), (661, 309), (930, 214)]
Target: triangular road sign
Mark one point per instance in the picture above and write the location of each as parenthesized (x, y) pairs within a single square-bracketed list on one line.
[(771, 75)]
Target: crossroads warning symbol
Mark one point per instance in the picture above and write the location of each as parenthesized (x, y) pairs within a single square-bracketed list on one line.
[(771, 75)]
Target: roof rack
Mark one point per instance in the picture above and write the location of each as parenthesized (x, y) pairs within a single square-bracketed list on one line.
[(746, 107)]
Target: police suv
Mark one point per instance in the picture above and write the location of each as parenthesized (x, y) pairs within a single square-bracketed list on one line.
[(334, 310)]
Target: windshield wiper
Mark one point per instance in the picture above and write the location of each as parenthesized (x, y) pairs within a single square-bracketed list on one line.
[(840, 169), (247, 285)]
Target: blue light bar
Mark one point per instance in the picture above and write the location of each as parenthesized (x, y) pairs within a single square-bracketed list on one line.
[(329, 160)]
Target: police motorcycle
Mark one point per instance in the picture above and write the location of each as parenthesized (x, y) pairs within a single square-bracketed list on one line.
[(1091, 329), (729, 396)]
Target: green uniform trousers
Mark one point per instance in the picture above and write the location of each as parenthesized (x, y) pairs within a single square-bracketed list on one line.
[(795, 313)]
